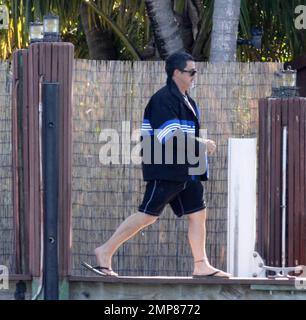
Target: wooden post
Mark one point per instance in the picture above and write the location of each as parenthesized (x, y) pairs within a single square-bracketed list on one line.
[(20, 159), (53, 62), (274, 114), (50, 62)]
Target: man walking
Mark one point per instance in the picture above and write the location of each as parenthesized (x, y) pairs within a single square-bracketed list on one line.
[(174, 164)]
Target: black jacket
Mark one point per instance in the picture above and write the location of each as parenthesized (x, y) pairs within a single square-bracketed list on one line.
[(170, 150)]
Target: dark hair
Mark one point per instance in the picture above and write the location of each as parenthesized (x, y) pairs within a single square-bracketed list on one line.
[(178, 61)]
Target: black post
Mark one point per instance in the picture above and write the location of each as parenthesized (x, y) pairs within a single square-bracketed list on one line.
[(50, 99)]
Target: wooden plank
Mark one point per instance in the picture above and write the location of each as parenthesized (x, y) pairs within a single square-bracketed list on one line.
[(67, 92), (62, 153), (183, 280), (302, 182), (54, 63), (48, 61), (15, 65), (42, 64), (261, 178), (20, 98), (297, 174), (272, 175), (300, 187), (65, 157), (277, 181), (35, 157), (68, 233), (37, 174), (25, 160), (296, 213), (31, 168), (268, 181), (284, 113), (16, 83), (290, 206), (285, 122)]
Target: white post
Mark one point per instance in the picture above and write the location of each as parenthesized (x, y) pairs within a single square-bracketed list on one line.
[(241, 231), (284, 193)]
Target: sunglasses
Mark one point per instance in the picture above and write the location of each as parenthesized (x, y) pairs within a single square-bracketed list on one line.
[(191, 72)]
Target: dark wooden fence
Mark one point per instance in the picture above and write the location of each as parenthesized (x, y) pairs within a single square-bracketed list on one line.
[(274, 114)]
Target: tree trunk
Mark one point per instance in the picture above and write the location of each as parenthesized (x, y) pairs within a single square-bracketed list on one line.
[(198, 4), (165, 27), (224, 31), (99, 41), (188, 24)]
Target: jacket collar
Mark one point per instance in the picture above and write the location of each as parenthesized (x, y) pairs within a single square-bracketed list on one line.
[(175, 91)]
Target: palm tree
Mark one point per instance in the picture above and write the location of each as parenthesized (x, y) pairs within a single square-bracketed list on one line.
[(99, 40), (224, 31), (106, 21), (165, 27)]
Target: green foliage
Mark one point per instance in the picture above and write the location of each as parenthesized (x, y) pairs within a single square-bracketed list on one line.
[(127, 20), (281, 40), (127, 15)]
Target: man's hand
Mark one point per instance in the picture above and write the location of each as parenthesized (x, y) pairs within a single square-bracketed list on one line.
[(210, 145)]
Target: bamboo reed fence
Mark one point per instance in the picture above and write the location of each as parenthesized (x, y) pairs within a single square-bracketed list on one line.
[(105, 94), (7, 244)]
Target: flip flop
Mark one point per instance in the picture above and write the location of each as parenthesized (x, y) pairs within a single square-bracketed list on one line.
[(210, 275), (99, 270)]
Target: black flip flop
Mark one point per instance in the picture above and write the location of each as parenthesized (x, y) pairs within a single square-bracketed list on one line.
[(211, 275), (98, 270)]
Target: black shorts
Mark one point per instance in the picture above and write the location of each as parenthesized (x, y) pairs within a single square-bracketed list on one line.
[(183, 197)]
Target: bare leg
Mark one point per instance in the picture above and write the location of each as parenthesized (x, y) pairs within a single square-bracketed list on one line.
[(197, 240), (127, 229)]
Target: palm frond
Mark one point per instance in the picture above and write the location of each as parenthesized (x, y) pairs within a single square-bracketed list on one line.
[(116, 30)]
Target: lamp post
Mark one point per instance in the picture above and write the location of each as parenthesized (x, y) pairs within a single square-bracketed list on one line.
[(36, 32), (284, 83), (46, 31), (51, 28)]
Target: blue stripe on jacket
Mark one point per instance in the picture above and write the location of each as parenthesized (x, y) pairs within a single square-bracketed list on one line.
[(167, 129)]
